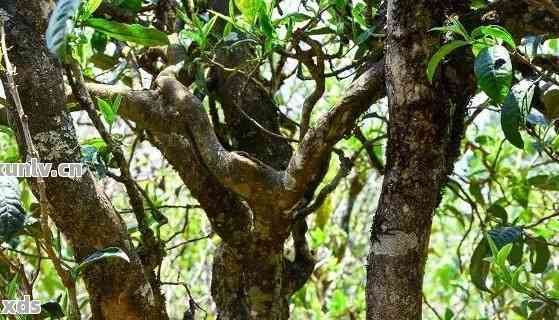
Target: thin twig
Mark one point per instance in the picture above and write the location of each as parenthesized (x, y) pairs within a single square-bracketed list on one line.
[(189, 241), (431, 307), (542, 220), (345, 167)]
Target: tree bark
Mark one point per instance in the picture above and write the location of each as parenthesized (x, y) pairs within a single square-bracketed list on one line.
[(117, 290), (250, 203), (426, 124)]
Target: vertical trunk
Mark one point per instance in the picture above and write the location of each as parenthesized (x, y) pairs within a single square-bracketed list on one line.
[(424, 134), (250, 278), (117, 290), (251, 282), (249, 285)]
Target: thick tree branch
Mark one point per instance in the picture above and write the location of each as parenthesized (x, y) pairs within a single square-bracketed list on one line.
[(173, 109), (229, 216), (307, 161)]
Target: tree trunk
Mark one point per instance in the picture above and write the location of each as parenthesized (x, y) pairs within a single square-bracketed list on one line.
[(117, 290), (426, 124)]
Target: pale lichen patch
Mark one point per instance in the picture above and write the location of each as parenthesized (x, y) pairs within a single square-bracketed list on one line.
[(395, 243), (52, 145), (298, 161), (289, 182)]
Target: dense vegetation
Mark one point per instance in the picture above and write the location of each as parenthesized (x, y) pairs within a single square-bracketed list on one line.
[(257, 159)]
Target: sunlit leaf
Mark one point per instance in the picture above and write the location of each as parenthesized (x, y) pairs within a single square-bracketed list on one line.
[(493, 69), (495, 31), (89, 7), (441, 54), (111, 252), (129, 32)]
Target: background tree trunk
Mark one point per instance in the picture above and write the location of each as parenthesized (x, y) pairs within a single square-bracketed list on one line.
[(117, 290), (426, 124)]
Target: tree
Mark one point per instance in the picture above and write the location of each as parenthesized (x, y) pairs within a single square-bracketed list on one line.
[(426, 125), (205, 84)]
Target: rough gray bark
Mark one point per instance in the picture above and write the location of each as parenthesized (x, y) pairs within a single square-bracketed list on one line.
[(426, 124), (82, 212)]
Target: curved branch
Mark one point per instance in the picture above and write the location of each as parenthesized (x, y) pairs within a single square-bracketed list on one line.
[(307, 161), (173, 109)]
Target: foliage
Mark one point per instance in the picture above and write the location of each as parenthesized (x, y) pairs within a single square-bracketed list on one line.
[(12, 215), (66, 20)]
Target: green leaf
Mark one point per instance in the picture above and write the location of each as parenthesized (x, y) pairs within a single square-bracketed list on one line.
[(515, 257), (116, 103), (455, 27), (321, 31), (339, 302), (440, 54), (475, 191), (111, 252), (498, 212), (365, 35), (81, 48), (493, 71), (209, 26), (502, 256), (515, 276), (11, 290), (12, 214), (515, 111), (551, 102), (545, 182), (448, 314), (107, 111), (129, 32), (478, 4), (61, 24), (479, 267), (479, 45), (539, 254), (89, 7), (265, 23), (496, 32), (294, 17), (324, 213), (249, 8), (550, 47)]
